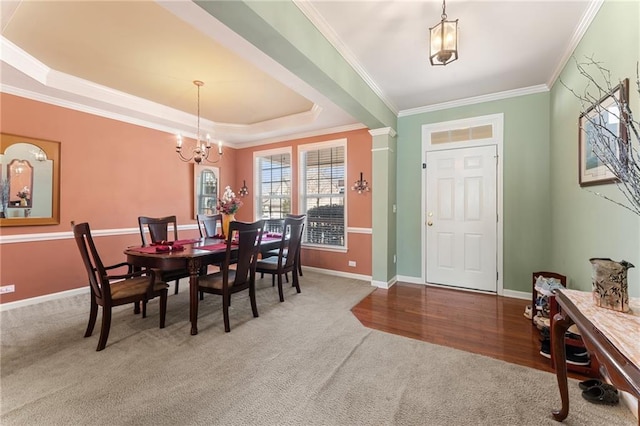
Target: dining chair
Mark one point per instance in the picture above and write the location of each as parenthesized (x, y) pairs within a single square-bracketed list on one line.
[(283, 264), (208, 224), (158, 230), (114, 290), (229, 281), (275, 252)]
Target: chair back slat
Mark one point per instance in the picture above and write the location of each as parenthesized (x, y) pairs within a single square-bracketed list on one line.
[(92, 263), (294, 227), (249, 238), (158, 228), (208, 224)]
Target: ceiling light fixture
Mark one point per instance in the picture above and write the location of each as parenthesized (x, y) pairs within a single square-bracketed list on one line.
[(202, 149), (443, 40)]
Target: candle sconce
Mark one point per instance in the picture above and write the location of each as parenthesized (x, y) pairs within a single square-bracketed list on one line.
[(361, 185), (244, 191)]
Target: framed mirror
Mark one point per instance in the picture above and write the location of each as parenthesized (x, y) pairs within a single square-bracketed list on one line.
[(29, 181), (205, 184)]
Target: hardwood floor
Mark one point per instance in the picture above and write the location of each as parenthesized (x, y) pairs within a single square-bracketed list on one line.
[(474, 322)]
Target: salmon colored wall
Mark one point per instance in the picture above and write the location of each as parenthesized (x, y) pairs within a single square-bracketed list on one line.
[(358, 205), (112, 172)]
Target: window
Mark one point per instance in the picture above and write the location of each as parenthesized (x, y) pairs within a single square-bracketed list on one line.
[(273, 176), (322, 174)]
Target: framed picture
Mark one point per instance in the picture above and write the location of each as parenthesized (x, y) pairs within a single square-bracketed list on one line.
[(206, 189), (601, 129)]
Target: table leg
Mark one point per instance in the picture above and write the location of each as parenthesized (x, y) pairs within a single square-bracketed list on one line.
[(194, 271), (560, 325)]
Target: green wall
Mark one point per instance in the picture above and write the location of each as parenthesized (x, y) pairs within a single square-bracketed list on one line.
[(526, 185), (585, 225)]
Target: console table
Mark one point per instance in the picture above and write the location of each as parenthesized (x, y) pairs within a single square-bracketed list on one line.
[(612, 337)]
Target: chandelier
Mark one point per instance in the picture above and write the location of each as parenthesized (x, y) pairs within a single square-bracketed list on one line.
[(443, 46), (202, 149)]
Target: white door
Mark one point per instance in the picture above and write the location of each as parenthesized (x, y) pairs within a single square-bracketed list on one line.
[(461, 231)]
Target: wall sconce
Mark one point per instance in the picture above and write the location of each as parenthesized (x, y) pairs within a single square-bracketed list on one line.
[(361, 185), (244, 191), (443, 46)]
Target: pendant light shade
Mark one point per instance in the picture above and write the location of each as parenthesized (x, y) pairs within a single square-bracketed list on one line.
[(443, 40)]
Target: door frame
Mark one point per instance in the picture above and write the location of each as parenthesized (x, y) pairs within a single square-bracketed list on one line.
[(496, 121)]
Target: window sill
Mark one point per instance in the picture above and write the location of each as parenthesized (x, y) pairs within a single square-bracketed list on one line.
[(334, 249)]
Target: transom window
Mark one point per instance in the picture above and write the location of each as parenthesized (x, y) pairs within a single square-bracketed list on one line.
[(322, 175), (273, 175)]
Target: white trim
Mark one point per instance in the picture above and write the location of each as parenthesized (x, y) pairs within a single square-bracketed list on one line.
[(383, 284), (46, 298), (476, 100), (51, 236), (327, 31), (497, 123), (517, 294), (386, 148), (383, 131), (302, 135), (582, 28), (337, 273), (302, 177), (410, 280), (353, 230)]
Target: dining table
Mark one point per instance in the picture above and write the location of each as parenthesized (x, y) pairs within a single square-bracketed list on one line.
[(192, 255)]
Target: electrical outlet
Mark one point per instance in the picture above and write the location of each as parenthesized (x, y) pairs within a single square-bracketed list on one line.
[(352, 263), (7, 289)]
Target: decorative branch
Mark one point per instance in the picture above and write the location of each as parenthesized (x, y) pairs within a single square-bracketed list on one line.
[(618, 151)]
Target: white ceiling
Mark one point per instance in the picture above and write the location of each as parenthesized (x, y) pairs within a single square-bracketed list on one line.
[(136, 61)]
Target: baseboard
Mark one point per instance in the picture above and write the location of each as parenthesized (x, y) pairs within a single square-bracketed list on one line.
[(516, 294), (337, 273), (630, 402), (384, 284), (410, 280), (45, 298)]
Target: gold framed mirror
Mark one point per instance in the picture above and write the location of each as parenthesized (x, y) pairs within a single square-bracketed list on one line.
[(29, 181)]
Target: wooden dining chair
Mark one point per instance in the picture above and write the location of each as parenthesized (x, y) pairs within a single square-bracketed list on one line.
[(208, 224), (283, 264), (158, 230), (229, 281), (114, 290), (275, 252)]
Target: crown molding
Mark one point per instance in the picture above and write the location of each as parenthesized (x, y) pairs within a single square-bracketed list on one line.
[(582, 28), (325, 29), (476, 100), (321, 132)]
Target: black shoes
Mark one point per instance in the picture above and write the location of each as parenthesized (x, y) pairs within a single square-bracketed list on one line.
[(575, 355), (594, 390)]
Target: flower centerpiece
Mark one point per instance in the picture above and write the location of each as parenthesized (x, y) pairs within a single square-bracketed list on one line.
[(23, 194), (228, 205)]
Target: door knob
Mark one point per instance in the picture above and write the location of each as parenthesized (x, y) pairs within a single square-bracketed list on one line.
[(429, 223)]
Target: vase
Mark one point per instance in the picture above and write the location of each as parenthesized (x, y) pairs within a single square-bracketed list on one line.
[(226, 220), (23, 202), (609, 281)]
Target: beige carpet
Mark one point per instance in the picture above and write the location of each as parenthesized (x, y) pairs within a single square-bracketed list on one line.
[(306, 361)]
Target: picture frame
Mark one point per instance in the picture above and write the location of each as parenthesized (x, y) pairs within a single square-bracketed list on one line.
[(606, 112), (206, 185)]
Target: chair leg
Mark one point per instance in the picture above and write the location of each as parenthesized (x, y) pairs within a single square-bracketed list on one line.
[(93, 314), (286, 276), (273, 280), (280, 292), (202, 295), (177, 287), (136, 307), (225, 312), (144, 309), (252, 297), (296, 282), (106, 325), (163, 307)]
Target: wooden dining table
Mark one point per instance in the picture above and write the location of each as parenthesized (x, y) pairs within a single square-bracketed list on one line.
[(193, 255)]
